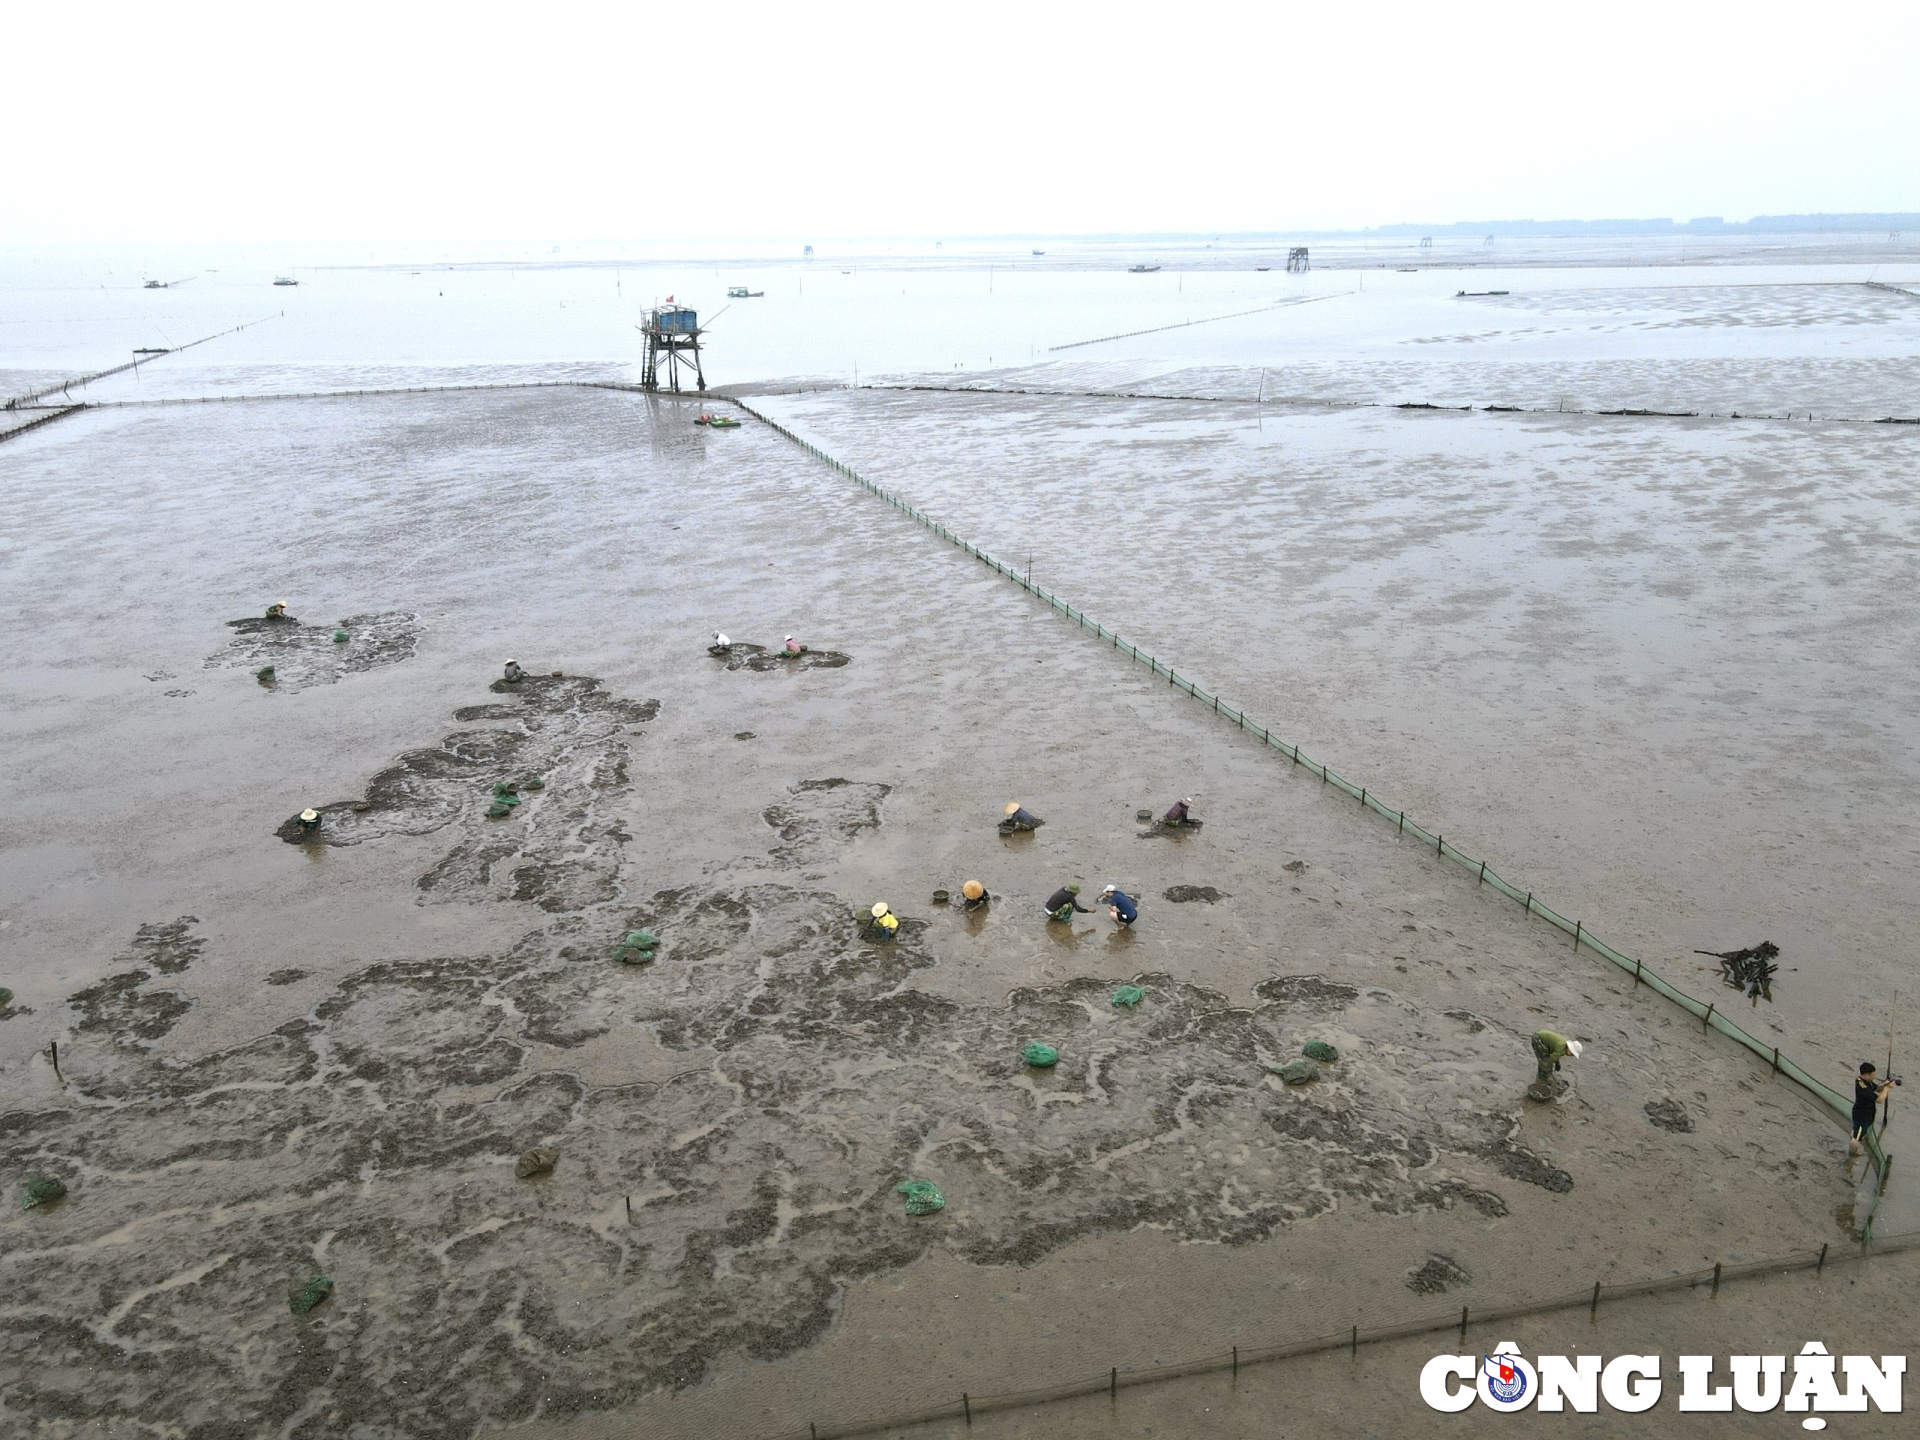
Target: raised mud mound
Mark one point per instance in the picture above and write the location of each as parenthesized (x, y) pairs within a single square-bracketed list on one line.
[(794, 1074), (1187, 894), (303, 655), (819, 812), (742, 656), (556, 847)]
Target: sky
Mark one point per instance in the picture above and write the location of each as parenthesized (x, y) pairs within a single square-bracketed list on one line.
[(215, 122)]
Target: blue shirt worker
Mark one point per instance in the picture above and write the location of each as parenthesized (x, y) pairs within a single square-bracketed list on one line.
[(1120, 905)]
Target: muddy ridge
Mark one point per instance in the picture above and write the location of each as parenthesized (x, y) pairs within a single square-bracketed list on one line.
[(302, 655), (375, 1136), (787, 1074), (562, 743), (741, 655)]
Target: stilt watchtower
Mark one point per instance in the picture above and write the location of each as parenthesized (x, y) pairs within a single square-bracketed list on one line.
[(672, 331)]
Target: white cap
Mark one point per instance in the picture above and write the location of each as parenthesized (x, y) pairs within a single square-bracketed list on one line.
[(1573, 1048), (1110, 889)]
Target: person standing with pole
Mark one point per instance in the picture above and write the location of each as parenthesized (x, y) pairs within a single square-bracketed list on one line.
[(1868, 1091)]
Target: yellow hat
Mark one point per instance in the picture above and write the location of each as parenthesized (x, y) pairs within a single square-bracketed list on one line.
[(879, 908), (1012, 805), (973, 889)]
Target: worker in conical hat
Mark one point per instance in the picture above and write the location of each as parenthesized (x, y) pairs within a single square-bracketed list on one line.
[(278, 611), (973, 894), (514, 673), (1180, 812), (1019, 818), (309, 819)]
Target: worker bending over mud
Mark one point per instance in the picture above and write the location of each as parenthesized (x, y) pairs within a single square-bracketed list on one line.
[(1064, 904), (794, 647), (1018, 817), (1120, 906), (278, 611), (514, 673), (721, 644), (1549, 1048), (973, 895), (1179, 813)]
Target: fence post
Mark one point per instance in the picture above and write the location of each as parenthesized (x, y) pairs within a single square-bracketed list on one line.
[(1483, 873), (1363, 796), (1706, 1021), (1776, 1059), (1463, 1324), (1355, 1353), (966, 1404), (1113, 1383), (1576, 933), (1440, 845), (1823, 1258), (1236, 1362), (1529, 902), (1716, 1281), (1403, 822), (1593, 1310), (1636, 985)]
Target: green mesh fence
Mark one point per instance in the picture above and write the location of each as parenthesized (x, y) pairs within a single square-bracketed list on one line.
[(1456, 1325), (1706, 1012)]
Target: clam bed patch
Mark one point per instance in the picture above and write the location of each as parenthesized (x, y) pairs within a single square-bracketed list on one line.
[(787, 1074), (304, 655), (374, 1136), (557, 848)]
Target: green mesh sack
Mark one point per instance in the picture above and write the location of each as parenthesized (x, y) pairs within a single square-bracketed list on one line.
[(1040, 1056), (1296, 1072), (6, 996), (506, 793), (923, 1196), (1320, 1050), (303, 1298), (533, 782), (1128, 996), (636, 947), (264, 674), (497, 811), (339, 637), (43, 1190)]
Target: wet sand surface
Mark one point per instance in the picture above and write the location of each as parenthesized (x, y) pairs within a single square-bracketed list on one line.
[(1651, 669), (286, 1056)]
